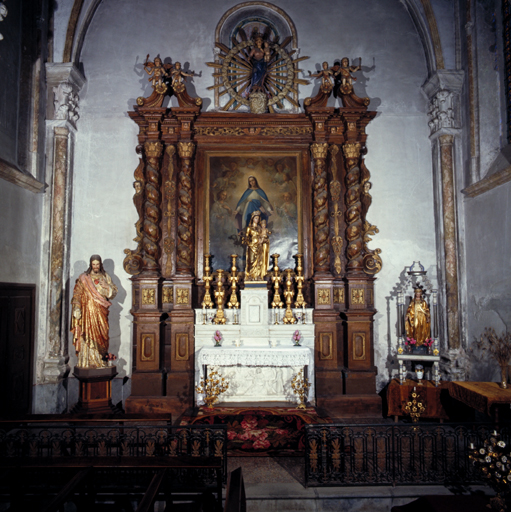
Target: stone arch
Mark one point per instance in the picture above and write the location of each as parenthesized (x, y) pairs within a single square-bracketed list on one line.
[(263, 10)]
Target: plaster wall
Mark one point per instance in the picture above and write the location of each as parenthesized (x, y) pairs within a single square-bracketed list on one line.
[(492, 129), (20, 235), (488, 263), (399, 151)]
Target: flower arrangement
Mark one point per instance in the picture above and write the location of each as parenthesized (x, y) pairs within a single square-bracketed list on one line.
[(218, 338), (109, 358), (413, 342), (297, 337), (494, 462), (499, 347)]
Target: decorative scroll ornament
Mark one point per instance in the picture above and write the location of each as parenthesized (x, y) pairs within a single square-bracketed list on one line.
[(256, 65), (133, 261), (372, 261)]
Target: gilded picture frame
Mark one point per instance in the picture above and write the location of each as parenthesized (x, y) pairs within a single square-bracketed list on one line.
[(227, 207)]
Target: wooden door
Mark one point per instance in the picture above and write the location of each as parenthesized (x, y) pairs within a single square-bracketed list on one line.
[(16, 347)]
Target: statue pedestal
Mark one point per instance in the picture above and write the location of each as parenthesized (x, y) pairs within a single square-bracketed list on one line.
[(95, 390)]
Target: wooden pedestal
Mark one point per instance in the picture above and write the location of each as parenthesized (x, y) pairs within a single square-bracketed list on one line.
[(95, 390)]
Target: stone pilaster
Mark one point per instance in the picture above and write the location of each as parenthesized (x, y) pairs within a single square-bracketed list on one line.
[(64, 82), (443, 90)]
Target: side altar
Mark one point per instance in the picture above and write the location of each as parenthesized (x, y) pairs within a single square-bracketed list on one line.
[(257, 354), (200, 177)]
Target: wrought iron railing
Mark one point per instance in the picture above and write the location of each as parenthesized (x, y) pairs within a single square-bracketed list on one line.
[(388, 454), (81, 441)]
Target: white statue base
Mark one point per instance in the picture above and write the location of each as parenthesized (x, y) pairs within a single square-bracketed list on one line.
[(257, 356)]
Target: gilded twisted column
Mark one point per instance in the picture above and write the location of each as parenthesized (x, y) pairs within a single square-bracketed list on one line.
[(152, 206), (185, 212), (354, 224), (321, 222), (449, 219)]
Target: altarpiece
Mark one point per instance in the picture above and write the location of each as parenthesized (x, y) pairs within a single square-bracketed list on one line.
[(192, 174)]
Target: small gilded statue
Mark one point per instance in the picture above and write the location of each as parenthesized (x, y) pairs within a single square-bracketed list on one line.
[(326, 75), (89, 323), (256, 238), (157, 72), (418, 320)]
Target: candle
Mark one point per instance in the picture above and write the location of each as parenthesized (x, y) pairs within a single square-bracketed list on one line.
[(471, 446)]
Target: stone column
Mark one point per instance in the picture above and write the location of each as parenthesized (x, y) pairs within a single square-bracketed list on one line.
[(450, 243), (64, 82), (443, 90)]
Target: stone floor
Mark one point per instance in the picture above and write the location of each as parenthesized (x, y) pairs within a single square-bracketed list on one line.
[(276, 484)]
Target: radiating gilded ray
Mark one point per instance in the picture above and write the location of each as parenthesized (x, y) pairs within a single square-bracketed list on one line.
[(214, 65), (245, 63), (271, 109), (286, 41), (300, 81), (292, 101), (229, 104), (299, 59), (222, 47), (243, 34)]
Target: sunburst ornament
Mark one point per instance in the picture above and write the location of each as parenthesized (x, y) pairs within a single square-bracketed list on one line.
[(254, 66)]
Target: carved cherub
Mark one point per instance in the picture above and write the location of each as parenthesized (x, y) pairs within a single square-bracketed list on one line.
[(156, 70), (345, 70), (326, 75), (177, 75), (267, 51)]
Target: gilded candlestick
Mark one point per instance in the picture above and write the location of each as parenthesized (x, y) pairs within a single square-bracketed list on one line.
[(288, 295), (300, 299), (276, 278), (207, 278), (219, 297), (233, 278)]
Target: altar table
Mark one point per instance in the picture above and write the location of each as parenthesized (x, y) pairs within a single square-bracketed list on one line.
[(434, 398), (485, 397), (257, 374)]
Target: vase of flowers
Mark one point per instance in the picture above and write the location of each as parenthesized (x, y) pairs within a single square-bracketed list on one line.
[(109, 359), (500, 348), (218, 338), (296, 338), (417, 349)]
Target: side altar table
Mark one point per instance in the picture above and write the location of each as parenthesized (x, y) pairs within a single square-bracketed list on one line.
[(257, 355)]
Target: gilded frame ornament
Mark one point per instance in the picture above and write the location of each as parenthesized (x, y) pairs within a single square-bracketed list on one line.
[(279, 176)]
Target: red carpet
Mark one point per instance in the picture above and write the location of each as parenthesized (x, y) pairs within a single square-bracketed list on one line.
[(260, 431)]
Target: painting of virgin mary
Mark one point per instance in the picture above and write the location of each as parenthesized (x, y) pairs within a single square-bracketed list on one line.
[(253, 199)]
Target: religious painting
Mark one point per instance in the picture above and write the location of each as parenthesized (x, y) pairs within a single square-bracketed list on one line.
[(238, 185)]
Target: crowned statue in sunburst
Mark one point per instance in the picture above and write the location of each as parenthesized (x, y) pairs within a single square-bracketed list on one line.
[(257, 72)]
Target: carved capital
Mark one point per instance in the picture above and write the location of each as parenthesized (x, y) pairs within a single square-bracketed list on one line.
[(64, 82), (185, 149), (153, 149), (319, 150), (352, 150)]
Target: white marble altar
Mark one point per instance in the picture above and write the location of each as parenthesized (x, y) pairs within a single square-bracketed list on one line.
[(257, 355)]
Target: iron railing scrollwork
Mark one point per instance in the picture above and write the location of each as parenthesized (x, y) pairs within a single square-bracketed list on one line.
[(80, 441), (384, 454)]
